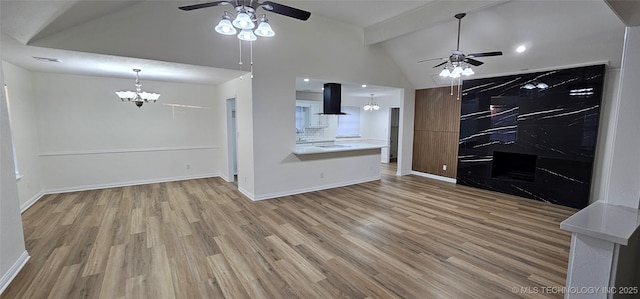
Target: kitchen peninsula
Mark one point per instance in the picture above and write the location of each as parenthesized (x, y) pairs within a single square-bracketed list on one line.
[(328, 127), (329, 147)]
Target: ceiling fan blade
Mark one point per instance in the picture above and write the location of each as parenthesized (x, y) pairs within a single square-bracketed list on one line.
[(473, 62), (286, 10), (485, 54), (432, 59), (441, 64), (203, 5)]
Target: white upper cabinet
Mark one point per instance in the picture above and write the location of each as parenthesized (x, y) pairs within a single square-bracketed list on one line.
[(312, 113)]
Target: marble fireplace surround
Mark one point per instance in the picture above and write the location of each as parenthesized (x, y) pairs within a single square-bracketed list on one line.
[(536, 143)]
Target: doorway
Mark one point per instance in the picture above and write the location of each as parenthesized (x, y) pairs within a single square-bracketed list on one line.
[(394, 126), (232, 140)]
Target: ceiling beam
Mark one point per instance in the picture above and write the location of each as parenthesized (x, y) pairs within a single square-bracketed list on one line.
[(627, 11), (422, 17)]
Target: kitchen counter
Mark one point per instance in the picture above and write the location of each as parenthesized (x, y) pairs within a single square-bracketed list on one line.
[(604, 221), (330, 148), (310, 141)]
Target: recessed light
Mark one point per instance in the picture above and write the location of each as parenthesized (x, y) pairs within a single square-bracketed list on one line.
[(47, 59), (364, 85), (306, 79), (521, 49)]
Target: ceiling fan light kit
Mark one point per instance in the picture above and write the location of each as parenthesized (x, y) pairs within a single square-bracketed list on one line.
[(246, 20), (459, 64), (225, 27), (243, 20), (264, 29), (534, 85)]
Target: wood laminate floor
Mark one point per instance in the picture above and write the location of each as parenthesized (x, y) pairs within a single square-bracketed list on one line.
[(400, 237)]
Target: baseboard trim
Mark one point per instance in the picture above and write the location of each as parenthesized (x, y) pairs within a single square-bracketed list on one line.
[(311, 189), (129, 183), (13, 271), (246, 193), (226, 178), (403, 173), (433, 176), (31, 201)]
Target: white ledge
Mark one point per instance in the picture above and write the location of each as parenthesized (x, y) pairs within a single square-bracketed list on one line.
[(332, 148), (604, 221)]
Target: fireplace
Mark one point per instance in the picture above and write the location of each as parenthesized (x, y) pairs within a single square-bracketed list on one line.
[(513, 166), (536, 143)]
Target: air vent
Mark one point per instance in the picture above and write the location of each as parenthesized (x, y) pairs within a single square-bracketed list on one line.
[(47, 59)]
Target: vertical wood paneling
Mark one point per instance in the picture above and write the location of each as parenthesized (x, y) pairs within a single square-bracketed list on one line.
[(436, 132)]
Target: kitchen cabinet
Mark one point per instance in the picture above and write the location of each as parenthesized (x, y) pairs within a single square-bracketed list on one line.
[(311, 112), (316, 118)]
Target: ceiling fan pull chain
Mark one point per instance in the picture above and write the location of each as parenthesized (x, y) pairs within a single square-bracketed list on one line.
[(459, 87), (451, 87), (240, 61), (251, 52)]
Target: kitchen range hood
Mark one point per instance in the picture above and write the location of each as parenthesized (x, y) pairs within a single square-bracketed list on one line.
[(332, 97)]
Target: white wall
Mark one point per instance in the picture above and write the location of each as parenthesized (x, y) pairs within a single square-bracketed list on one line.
[(325, 49), (12, 249), (90, 139), (623, 187), (617, 179), (317, 48), (623, 168), (239, 89), (606, 133), (24, 120)]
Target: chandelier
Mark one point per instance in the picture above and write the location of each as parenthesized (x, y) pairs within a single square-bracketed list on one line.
[(139, 97), (371, 106)]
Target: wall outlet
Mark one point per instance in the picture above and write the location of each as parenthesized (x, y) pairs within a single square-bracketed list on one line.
[(188, 166), (444, 167), (322, 175)]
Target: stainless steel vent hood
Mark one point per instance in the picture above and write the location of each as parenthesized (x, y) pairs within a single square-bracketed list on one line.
[(332, 97)]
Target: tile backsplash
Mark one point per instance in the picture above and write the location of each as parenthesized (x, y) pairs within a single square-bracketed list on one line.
[(310, 133)]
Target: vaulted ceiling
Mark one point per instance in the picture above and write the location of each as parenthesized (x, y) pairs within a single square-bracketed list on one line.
[(556, 33)]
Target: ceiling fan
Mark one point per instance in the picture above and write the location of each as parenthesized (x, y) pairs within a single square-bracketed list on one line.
[(250, 6), (459, 62), (246, 19)]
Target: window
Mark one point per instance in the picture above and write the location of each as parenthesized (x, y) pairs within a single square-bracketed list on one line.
[(15, 158), (349, 124)]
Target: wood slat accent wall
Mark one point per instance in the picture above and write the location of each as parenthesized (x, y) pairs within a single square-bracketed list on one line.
[(436, 132)]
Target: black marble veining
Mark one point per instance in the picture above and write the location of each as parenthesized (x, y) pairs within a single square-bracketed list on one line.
[(535, 142)]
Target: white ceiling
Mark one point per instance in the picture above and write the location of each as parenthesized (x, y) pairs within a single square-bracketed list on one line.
[(557, 33), (350, 89), (362, 13), (80, 63)]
